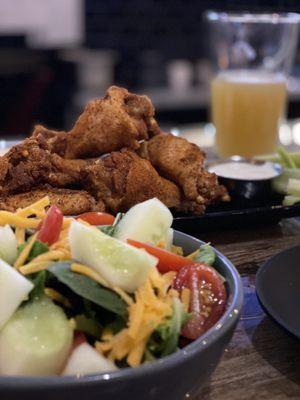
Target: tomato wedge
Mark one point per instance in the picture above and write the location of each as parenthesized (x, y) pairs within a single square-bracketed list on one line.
[(97, 218), (207, 297), (167, 261), (51, 226)]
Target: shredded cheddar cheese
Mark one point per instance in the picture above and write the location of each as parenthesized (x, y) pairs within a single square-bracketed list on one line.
[(56, 296), (10, 218), (37, 207), (25, 252), (20, 235), (151, 306)]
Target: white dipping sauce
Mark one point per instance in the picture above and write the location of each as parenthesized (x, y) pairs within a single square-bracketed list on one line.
[(244, 170)]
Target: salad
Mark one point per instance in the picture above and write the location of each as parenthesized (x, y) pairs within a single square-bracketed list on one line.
[(96, 293)]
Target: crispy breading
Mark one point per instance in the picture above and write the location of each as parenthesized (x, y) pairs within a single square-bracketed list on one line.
[(183, 163), (56, 163), (123, 179), (118, 120), (71, 202)]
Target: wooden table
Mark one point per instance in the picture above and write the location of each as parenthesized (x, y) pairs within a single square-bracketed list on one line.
[(262, 361)]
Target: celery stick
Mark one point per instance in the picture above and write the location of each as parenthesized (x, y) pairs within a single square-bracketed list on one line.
[(293, 187), (294, 156), (280, 183), (285, 157), (274, 157), (290, 200)]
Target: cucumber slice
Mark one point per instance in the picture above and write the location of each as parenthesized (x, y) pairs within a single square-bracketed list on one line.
[(86, 360), (147, 222), (14, 288), (8, 244), (169, 239), (119, 263), (36, 340)]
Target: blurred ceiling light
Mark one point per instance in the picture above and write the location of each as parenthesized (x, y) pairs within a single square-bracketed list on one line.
[(285, 135), (296, 132)]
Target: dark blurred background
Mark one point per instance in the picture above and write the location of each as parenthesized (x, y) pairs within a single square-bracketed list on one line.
[(55, 55)]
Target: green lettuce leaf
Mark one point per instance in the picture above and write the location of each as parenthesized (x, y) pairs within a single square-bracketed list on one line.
[(205, 254), (88, 289), (164, 340), (37, 249)]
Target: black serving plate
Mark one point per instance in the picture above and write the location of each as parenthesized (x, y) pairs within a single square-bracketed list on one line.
[(277, 287), (237, 213)]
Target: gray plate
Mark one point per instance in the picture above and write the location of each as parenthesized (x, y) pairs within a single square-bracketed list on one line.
[(170, 378), (278, 288)]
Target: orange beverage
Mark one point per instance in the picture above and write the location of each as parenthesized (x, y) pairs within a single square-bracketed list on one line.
[(246, 110)]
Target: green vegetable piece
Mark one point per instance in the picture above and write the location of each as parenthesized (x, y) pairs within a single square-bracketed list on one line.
[(164, 340), (286, 160), (88, 289), (39, 285), (37, 249), (110, 229), (88, 325), (290, 200), (280, 183), (205, 254), (293, 187), (294, 156)]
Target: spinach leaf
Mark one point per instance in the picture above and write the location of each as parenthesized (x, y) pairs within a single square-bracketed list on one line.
[(88, 325), (164, 340), (88, 289), (205, 254), (117, 325), (39, 282), (110, 229), (37, 249)]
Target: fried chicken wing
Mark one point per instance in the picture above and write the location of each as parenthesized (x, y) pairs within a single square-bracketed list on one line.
[(123, 171), (118, 120), (123, 179), (26, 165), (71, 202), (183, 163)]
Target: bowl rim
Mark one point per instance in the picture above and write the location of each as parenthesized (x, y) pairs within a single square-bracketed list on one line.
[(278, 169), (208, 339)]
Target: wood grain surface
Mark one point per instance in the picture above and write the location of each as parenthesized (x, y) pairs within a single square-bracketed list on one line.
[(262, 361)]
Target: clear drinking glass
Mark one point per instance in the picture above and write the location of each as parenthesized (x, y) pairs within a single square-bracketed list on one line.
[(252, 55)]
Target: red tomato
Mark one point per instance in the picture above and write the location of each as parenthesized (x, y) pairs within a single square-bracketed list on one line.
[(207, 299), (167, 261), (51, 226), (97, 218)]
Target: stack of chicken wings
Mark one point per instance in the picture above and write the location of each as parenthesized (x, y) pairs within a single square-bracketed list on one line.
[(114, 157)]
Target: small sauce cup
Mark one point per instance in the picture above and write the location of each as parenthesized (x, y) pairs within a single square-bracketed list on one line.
[(246, 178)]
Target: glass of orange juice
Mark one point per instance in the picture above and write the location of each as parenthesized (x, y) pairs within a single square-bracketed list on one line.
[(253, 55)]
